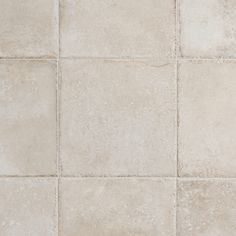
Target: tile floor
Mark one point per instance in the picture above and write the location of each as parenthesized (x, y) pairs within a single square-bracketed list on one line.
[(117, 118)]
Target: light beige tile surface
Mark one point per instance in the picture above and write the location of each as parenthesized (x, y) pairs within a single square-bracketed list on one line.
[(117, 28), (208, 28), (114, 207), (207, 208), (207, 112), (27, 117), (28, 28), (118, 118), (28, 207)]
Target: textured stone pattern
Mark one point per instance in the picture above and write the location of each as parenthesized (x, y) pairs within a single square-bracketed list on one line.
[(117, 118)]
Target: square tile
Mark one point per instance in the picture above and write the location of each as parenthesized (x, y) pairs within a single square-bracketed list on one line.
[(207, 112), (28, 207), (114, 207), (27, 117), (29, 28), (117, 28), (206, 207), (208, 28), (118, 117)]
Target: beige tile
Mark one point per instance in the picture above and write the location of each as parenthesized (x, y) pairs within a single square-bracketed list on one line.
[(28, 28), (118, 118), (27, 117), (117, 28), (28, 207), (114, 207), (207, 111), (208, 28), (206, 208)]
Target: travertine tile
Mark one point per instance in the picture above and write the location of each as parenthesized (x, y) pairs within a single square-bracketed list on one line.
[(208, 28), (118, 117), (206, 208), (117, 28), (28, 28), (28, 207), (114, 207), (27, 117), (207, 112)]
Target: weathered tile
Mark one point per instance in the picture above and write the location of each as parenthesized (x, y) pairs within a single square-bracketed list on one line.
[(28, 207), (206, 208), (27, 117), (114, 207), (207, 112), (208, 28), (28, 28), (118, 117), (117, 28)]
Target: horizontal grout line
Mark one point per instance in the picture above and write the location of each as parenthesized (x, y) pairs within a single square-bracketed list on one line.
[(116, 177), (119, 58)]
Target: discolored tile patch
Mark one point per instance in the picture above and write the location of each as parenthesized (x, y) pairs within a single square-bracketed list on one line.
[(208, 28), (118, 117), (29, 28), (206, 207), (28, 207), (27, 117), (114, 207), (117, 28), (207, 110)]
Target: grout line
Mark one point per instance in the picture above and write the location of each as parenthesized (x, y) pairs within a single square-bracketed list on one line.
[(177, 50), (58, 122), (192, 178), (219, 59)]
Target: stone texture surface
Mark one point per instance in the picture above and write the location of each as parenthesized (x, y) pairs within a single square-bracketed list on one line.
[(118, 117), (28, 207), (207, 208), (114, 207), (28, 28), (208, 28), (27, 117), (207, 110), (117, 28)]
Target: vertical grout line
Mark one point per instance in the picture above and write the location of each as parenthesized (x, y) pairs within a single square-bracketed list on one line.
[(177, 51), (58, 118)]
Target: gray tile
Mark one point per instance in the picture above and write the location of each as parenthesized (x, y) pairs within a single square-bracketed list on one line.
[(118, 117), (29, 28), (208, 28), (114, 207), (117, 28), (28, 207), (27, 117), (207, 112), (206, 207)]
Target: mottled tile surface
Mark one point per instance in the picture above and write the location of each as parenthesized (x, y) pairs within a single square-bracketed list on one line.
[(28, 28), (208, 28), (206, 208), (117, 28), (207, 111), (114, 207), (27, 117), (118, 118), (28, 207)]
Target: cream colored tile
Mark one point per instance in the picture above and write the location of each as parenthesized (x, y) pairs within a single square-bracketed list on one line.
[(117, 28), (28, 207), (207, 208), (27, 117), (114, 207), (118, 118), (28, 28), (208, 28), (207, 107)]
